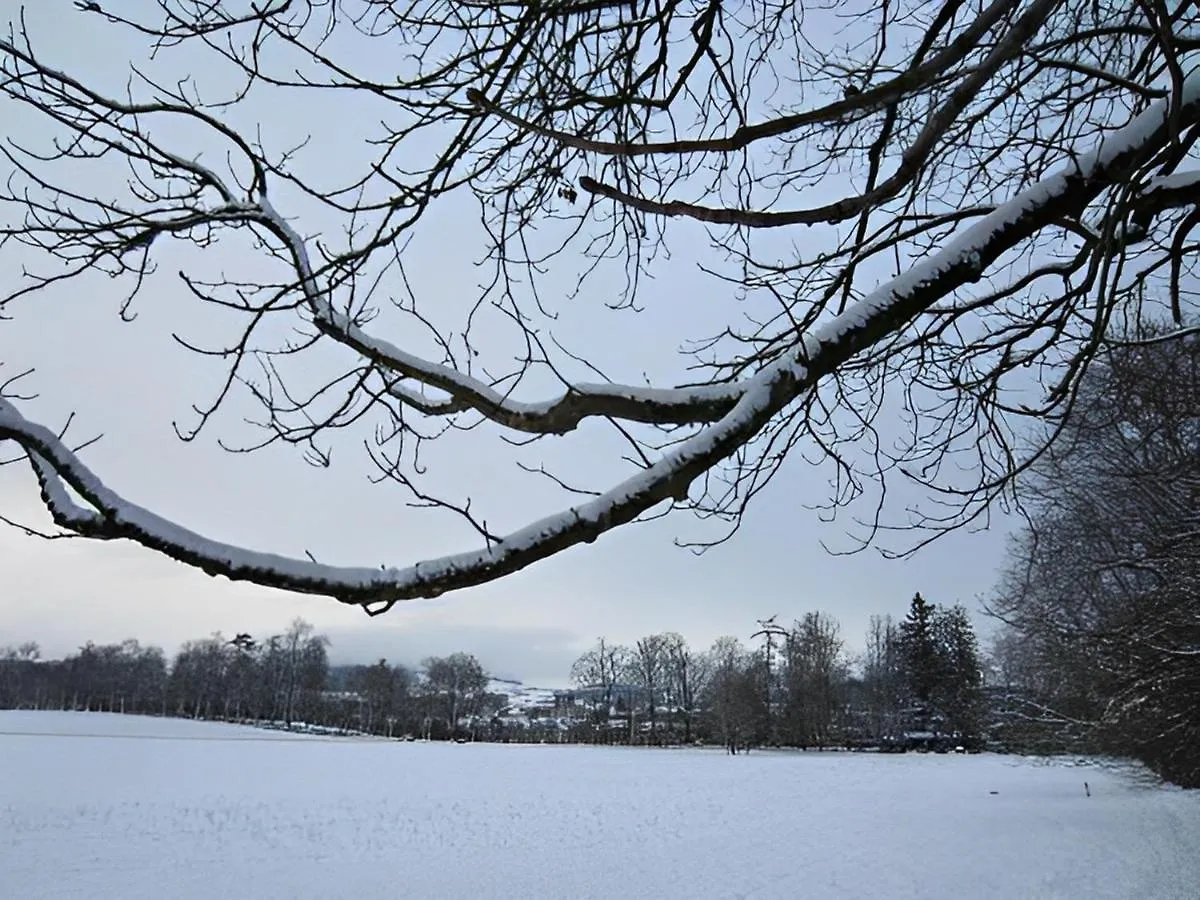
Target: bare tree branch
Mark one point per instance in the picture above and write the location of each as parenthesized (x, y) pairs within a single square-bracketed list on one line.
[(989, 192)]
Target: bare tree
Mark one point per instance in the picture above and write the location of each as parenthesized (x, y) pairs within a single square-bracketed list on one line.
[(1103, 590), (455, 686), (649, 668), (737, 700), (982, 189), (688, 675), (600, 669), (385, 691), (883, 679), (198, 681), (305, 664), (770, 631), (1048, 692), (815, 677), (273, 680), (15, 663)]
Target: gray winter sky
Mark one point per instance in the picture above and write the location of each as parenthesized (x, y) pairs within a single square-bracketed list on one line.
[(130, 381)]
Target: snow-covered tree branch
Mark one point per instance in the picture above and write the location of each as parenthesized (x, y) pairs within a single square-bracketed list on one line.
[(977, 196)]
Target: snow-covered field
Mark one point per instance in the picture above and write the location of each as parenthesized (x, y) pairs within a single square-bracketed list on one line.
[(95, 805)]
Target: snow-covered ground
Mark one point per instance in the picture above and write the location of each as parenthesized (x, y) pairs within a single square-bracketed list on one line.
[(95, 805), (521, 696)]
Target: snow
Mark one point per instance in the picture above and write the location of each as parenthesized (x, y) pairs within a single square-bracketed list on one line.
[(95, 805), (30, 723), (521, 696), (1179, 181)]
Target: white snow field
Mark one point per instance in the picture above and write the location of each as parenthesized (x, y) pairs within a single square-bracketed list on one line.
[(98, 806)]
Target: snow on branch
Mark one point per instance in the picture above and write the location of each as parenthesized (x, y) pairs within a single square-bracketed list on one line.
[(657, 406), (759, 398), (660, 406)]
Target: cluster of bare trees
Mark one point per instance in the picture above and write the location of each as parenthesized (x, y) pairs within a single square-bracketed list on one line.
[(917, 234), (661, 666), (125, 677), (1101, 598), (284, 679), (799, 688), (280, 678)]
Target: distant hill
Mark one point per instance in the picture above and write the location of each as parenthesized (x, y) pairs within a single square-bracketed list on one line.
[(520, 696)]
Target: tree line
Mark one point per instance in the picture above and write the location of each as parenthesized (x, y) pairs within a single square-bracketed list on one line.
[(919, 683), (284, 680)]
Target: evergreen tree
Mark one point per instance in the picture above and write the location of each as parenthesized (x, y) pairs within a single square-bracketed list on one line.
[(942, 668), (959, 697), (923, 663)]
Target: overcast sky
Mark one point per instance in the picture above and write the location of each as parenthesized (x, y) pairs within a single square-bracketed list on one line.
[(130, 381)]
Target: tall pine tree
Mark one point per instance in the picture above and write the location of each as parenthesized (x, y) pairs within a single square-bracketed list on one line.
[(960, 696), (940, 655), (920, 652)]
